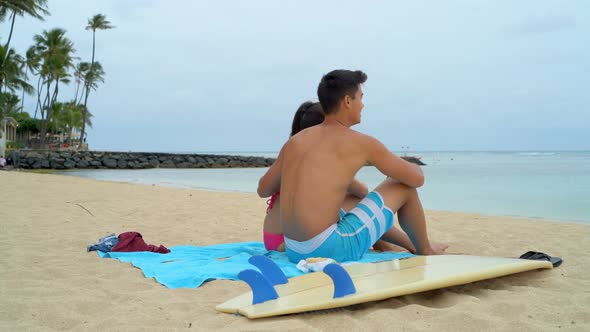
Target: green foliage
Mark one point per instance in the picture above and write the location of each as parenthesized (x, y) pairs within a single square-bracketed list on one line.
[(9, 104), (12, 73), (26, 123), (10, 145), (66, 116), (55, 51), (99, 22), (33, 8), (90, 75)]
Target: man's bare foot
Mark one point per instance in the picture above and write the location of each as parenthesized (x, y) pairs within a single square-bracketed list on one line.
[(440, 248), (435, 249), (386, 246)]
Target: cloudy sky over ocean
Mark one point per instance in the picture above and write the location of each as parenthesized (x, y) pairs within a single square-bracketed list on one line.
[(228, 75)]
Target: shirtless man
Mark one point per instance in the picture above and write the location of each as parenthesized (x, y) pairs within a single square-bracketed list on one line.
[(315, 168)]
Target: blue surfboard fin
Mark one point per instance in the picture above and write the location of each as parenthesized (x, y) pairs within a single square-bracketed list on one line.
[(343, 284), (269, 269), (262, 290)]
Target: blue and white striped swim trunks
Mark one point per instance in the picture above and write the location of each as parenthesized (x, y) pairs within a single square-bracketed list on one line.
[(351, 237)]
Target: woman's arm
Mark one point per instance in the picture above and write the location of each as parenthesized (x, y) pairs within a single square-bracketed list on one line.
[(270, 182)]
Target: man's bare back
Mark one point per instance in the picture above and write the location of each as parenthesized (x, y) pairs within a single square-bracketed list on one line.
[(318, 165)]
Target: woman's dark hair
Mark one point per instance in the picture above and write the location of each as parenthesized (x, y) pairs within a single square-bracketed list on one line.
[(337, 84), (308, 115)]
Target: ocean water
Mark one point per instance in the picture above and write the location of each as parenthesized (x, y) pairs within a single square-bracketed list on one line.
[(546, 185)]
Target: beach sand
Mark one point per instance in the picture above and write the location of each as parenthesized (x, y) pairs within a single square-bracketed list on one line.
[(49, 281)]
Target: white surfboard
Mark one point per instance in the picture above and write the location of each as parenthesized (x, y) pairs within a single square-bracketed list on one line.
[(378, 281)]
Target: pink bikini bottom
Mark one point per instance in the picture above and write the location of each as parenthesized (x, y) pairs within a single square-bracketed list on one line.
[(272, 241)]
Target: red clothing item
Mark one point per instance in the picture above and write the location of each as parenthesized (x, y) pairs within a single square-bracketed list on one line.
[(271, 201), (133, 241)]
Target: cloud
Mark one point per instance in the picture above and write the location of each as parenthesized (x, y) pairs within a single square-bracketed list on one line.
[(542, 25)]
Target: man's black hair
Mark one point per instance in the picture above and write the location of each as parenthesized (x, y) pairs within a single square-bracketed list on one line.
[(337, 84)]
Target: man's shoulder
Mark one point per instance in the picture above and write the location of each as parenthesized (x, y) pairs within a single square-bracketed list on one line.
[(362, 137)]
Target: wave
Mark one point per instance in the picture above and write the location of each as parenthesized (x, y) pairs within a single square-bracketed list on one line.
[(536, 153)]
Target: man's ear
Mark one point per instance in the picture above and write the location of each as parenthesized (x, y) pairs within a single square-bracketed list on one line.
[(346, 100)]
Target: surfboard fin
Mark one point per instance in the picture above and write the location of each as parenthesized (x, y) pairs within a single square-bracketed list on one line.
[(262, 290), (269, 269), (540, 256), (343, 284)]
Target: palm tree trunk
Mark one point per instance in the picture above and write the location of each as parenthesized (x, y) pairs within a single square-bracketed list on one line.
[(82, 94), (77, 89), (44, 116), (39, 86), (9, 37), (87, 83), (22, 100), (53, 99)]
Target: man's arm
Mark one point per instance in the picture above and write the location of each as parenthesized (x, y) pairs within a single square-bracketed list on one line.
[(391, 165), (270, 182)]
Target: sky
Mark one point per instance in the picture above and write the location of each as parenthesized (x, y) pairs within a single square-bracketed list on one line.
[(203, 76)]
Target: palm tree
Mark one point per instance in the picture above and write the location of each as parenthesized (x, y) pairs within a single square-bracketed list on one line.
[(90, 78), (34, 8), (79, 73), (97, 22), (32, 62), (55, 51), (93, 76), (67, 116), (12, 76), (8, 104), (73, 115)]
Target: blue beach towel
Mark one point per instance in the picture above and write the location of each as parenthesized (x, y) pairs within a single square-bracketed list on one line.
[(191, 266)]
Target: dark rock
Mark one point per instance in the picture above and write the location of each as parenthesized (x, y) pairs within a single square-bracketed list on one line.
[(34, 155), (414, 160), (122, 163), (235, 163), (109, 162), (184, 165), (36, 165), (57, 163), (167, 164), (97, 159)]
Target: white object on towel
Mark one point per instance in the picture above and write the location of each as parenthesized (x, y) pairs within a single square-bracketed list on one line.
[(314, 264)]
